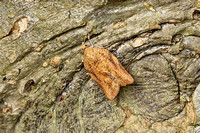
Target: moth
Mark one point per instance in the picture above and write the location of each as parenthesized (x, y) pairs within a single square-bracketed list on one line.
[(106, 70)]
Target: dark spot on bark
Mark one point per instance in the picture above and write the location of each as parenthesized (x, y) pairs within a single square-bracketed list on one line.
[(196, 15), (61, 98), (50, 116), (4, 78), (19, 71), (176, 38), (60, 67), (28, 85)]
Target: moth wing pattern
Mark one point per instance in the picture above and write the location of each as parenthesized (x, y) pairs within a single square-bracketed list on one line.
[(106, 70), (124, 77), (110, 89)]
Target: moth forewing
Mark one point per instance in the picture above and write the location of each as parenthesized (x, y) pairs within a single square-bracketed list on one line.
[(106, 70)]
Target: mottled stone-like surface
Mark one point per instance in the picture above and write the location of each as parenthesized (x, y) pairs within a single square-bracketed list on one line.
[(44, 86)]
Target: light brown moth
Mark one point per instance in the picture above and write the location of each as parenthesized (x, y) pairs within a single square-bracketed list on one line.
[(106, 70)]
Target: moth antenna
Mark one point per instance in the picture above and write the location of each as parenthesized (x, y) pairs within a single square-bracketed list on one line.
[(83, 43), (90, 41)]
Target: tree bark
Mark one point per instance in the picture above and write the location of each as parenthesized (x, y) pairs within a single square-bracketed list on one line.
[(44, 86)]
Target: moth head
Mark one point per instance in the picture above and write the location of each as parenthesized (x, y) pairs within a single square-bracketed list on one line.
[(84, 46)]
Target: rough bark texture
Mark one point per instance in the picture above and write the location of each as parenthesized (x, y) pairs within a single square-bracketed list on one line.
[(45, 88)]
